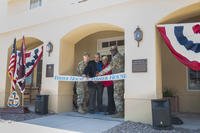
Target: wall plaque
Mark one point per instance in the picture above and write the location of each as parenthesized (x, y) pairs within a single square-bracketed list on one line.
[(139, 65), (49, 70)]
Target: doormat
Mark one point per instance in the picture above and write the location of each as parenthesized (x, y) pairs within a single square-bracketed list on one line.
[(18, 110)]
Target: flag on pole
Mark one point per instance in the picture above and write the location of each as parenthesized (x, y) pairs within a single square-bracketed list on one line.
[(21, 67), (183, 40), (12, 65), (22, 64)]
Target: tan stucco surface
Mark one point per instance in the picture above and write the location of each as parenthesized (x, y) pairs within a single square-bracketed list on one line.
[(64, 30)]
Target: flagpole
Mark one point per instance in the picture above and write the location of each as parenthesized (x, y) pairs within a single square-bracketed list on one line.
[(22, 99), (23, 69), (16, 72), (10, 92), (12, 67)]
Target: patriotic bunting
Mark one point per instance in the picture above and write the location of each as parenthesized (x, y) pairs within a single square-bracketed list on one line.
[(32, 59), (183, 40)]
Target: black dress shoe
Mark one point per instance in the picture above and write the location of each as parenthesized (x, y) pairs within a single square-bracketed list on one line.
[(99, 110), (109, 113), (91, 111), (112, 112)]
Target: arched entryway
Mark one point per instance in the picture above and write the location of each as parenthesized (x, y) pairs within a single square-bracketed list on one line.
[(176, 79), (73, 44), (33, 82)]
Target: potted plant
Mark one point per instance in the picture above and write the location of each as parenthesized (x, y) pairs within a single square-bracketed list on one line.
[(168, 94)]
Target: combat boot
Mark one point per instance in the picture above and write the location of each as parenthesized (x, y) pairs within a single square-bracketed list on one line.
[(85, 107), (118, 115), (80, 110)]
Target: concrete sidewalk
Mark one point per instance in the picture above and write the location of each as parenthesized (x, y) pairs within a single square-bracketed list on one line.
[(75, 122), (18, 127), (190, 120)]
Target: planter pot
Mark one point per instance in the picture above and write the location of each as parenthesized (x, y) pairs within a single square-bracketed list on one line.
[(174, 103)]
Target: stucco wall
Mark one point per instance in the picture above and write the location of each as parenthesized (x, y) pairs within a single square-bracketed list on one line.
[(18, 6), (65, 32), (89, 44)]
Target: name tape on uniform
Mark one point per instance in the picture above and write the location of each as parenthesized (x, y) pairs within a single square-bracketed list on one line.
[(119, 76)]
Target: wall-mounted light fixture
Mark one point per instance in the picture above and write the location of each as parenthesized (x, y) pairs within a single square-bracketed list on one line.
[(49, 48), (138, 35)]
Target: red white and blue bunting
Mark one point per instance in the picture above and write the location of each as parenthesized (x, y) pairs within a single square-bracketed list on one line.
[(183, 40), (32, 59)]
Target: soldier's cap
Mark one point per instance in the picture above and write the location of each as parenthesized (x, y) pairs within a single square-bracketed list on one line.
[(113, 48), (86, 54)]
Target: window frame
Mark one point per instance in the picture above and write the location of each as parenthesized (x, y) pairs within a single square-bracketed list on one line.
[(188, 80), (39, 4), (106, 50), (30, 78)]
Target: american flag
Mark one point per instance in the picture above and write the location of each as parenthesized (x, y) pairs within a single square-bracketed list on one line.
[(12, 65)]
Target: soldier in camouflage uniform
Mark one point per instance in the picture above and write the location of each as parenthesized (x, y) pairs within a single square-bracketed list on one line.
[(117, 66), (81, 87)]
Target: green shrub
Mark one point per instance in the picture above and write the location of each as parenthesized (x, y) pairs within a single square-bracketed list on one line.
[(167, 93)]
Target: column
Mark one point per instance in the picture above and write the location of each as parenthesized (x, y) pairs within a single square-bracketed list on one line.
[(3, 8)]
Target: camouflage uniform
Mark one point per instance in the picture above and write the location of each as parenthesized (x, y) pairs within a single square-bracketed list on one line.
[(117, 66), (81, 87)]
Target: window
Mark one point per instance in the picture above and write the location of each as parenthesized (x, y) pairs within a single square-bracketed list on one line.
[(193, 79), (29, 80), (120, 42), (112, 43), (105, 44), (35, 3)]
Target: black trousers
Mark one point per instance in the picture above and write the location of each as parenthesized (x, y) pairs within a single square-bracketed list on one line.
[(111, 103), (95, 94)]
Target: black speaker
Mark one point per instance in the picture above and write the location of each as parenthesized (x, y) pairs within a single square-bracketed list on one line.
[(41, 104), (161, 114)]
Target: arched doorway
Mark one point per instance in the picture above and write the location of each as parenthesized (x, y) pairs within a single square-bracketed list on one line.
[(176, 78), (73, 44), (33, 82)]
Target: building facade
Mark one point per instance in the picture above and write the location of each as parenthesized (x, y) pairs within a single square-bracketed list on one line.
[(75, 26)]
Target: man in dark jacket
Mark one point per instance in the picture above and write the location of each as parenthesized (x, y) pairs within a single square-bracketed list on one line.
[(95, 88)]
